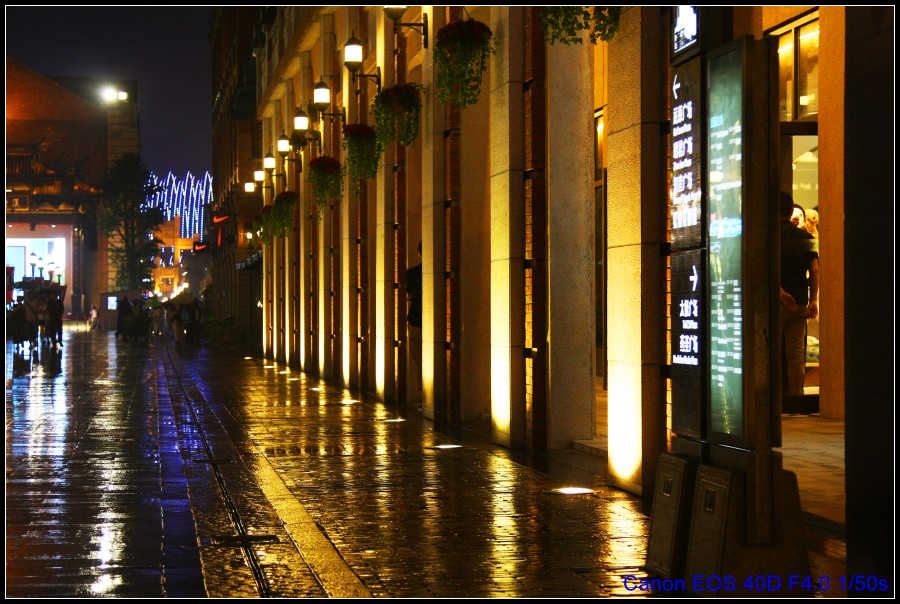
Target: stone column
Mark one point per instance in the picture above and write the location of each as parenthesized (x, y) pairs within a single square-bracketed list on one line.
[(636, 277), (433, 235), (507, 230), (571, 305), (384, 256)]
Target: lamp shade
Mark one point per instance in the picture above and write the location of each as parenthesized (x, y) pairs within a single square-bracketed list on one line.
[(394, 13), (284, 144), (353, 54), (301, 121), (322, 96), (269, 162), (259, 175)]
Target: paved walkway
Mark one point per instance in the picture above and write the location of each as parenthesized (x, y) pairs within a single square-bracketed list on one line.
[(146, 470)]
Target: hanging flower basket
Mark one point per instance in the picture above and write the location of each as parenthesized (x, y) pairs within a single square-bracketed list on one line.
[(282, 216), (263, 225), (461, 54), (327, 177), (277, 219), (363, 151), (397, 114)]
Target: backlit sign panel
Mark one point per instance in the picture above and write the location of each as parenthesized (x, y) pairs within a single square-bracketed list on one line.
[(686, 194), (688, 342), (725, 268), (685, 29)]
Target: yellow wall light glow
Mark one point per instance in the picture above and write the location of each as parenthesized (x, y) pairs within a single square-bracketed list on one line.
[(624, 417), (500, 390)]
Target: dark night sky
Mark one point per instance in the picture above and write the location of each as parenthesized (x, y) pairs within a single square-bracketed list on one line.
[(166, 49)]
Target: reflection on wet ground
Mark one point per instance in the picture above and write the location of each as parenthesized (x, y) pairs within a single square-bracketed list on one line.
[(138, 469)]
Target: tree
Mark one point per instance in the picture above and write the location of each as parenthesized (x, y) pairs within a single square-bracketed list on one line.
[(129, 224)]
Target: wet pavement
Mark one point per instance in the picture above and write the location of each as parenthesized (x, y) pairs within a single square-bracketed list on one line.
[(138, 469)]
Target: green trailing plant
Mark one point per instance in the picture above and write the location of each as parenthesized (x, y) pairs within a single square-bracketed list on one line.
[(264, 224), (326, 175), (363, 151), (256, 228), (277, 219), (398, 109), (461, 54), (565, 23), (281, 218)]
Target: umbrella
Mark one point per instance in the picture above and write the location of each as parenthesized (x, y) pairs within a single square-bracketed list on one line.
[(184, 297)]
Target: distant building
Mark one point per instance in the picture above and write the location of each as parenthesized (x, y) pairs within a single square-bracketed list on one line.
[(61, 136)]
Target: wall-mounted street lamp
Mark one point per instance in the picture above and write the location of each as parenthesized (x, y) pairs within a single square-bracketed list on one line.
[(51, 270), (259, 176), (353, 58), (302, 133), (284, 149), (322, 101), (284, 145), (269, 163), (32, 260), (40, 267), (395, 13)]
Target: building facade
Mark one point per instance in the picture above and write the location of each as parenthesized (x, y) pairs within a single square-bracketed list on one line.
[(61, 136), (544, 212)]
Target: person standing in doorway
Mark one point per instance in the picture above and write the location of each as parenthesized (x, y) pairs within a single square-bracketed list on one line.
[(799, 293), (414, 322)]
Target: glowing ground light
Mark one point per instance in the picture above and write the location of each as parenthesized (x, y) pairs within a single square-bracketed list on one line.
[(447, 447), (248, 358), (394, 420), (349, 401), (573, 491), (284, 372), (294, 379), (269, 366), (316, 389)]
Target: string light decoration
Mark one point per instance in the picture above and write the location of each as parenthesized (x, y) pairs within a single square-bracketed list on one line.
[(187, 198)]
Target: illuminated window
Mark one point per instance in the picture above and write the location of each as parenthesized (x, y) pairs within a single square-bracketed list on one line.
[(798, 73)]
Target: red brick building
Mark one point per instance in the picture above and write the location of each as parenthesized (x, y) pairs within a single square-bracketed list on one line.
[(59, 143)]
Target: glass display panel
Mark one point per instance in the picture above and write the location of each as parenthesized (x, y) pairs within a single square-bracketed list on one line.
[(725, 216)]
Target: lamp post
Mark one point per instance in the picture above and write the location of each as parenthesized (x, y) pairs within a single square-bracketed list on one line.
[(302, 133), (322, 101), (269, 164), (284, 148), (32, 260), (353, 58), (51, 270), (395, 14), (40, 267)]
